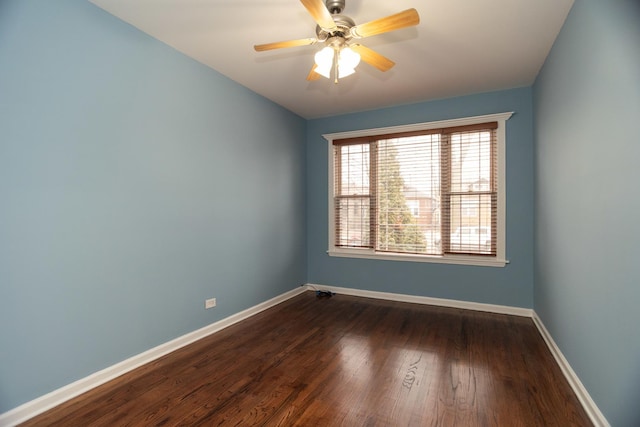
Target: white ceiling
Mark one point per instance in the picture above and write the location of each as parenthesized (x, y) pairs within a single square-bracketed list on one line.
[(460, 47)]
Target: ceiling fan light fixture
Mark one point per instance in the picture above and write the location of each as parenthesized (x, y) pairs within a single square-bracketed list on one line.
[(349, 59), (324, 59)]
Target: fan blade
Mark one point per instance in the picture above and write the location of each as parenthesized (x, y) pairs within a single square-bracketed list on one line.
[(288, 43), (320, 14), (408, 18), (373, 58), (312, 74)]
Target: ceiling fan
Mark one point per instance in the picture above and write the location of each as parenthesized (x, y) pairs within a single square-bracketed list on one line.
[(341, 55)]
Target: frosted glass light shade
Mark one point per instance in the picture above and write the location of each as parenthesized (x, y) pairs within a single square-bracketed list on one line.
[(348, 59), (324, 61)]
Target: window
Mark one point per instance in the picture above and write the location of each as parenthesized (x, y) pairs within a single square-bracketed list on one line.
[(428, 192)]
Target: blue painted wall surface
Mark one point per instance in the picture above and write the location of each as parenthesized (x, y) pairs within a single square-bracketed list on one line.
[(587, 109), (131, 189), (511, 285)]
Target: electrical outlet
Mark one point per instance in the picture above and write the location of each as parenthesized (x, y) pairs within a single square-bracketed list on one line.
[(210, 303)]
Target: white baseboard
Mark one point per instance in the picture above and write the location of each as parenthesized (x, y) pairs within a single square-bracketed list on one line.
[(37, 406), (441, 302), (597, 418)]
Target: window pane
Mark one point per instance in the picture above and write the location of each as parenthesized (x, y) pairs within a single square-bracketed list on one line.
[(471, 223), (471, 161), (352, 199), (408, 195), (354, 165), (472, 195), (353, 222)]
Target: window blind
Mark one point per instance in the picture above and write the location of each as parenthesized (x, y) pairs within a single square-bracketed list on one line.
[(429, 192), (469, 202)]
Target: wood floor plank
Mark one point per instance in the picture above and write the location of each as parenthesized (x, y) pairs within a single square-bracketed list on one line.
[(343, 361)]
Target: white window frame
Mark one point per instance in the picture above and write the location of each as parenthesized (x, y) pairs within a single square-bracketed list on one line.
[(499, 260)]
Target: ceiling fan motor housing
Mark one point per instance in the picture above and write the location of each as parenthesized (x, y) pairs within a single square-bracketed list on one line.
[(335, 6), (343, 22)]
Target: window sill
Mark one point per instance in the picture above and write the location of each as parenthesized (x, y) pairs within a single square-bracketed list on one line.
[(437, 259)]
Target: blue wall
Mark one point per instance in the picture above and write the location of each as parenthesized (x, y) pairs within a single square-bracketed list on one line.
[(587, 108), (511, 285), (131, 189)]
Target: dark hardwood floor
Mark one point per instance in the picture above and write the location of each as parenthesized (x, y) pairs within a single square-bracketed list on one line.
[(343, 361)]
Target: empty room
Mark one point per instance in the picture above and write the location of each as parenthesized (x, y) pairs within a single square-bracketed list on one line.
[(310, 212)]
